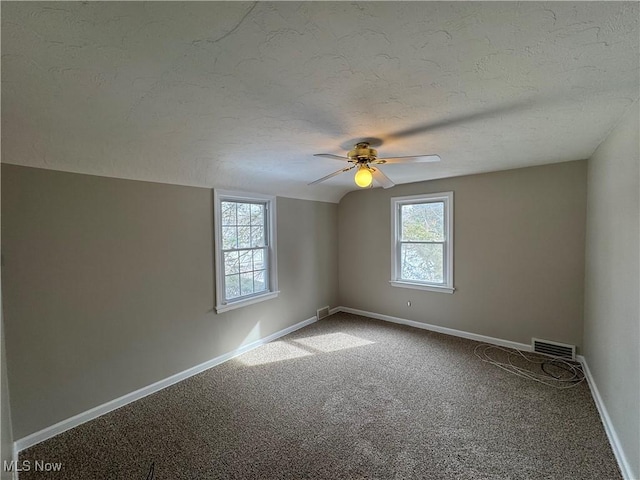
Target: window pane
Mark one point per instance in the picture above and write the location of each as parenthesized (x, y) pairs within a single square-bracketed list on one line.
[(259, 282), (246, 263), (258, 260), (229, 237), (422, 262), (228, 213), (231, 263), (257, 237), (244, 214), (232, 286), (246, 283), (423, 222), (244, 237), (257, 214)]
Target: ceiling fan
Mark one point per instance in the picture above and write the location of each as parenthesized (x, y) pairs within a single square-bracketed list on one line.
[(363, 157)]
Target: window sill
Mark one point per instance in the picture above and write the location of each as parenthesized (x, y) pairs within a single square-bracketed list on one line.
[(422, 286), (248, 301)]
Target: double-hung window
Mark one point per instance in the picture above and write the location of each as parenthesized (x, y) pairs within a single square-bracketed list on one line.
[(245, 249), (422, 242)]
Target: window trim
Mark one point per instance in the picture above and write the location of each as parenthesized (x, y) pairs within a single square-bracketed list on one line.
[(223, 305), (396, 280)]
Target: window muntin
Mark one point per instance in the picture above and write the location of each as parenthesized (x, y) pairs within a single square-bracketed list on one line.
[(422, 243), (245, 249)]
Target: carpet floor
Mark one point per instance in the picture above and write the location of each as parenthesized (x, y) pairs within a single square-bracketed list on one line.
[(347, 397)]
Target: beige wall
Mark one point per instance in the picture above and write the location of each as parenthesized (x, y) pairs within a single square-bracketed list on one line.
[(612, 287), (109, 286), (518, 254)]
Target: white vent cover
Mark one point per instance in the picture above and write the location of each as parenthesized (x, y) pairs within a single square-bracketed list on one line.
[(323, 312), (554, 349)]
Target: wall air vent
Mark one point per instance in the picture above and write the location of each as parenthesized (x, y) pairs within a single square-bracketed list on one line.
[(323, 312), (555, 349)]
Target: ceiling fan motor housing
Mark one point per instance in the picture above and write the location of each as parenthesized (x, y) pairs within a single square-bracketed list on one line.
[(362, 153)]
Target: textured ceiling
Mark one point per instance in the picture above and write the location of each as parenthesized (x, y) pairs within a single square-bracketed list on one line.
[(240, 95)]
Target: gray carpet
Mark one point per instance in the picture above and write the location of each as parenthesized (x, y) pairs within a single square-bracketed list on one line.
[(347, 397)]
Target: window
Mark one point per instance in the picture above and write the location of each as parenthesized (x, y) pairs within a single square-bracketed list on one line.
[(422, 242), (245, 249)]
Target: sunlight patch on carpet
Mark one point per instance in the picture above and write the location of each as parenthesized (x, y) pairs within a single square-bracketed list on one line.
[(272, 352), (302, 347)]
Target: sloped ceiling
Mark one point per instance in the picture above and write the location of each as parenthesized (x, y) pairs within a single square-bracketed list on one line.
[(240, 95)]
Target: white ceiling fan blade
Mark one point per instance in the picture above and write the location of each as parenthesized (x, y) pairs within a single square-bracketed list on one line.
[(332, 175), (409, 159), (381, 178), (330, 155)]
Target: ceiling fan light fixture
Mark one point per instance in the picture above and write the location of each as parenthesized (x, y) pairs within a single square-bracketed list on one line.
[(363, 177)]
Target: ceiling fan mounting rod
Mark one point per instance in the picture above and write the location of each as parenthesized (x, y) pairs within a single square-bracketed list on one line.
[(362, 153)]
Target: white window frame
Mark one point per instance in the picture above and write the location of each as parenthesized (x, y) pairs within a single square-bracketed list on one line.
[(396, 230), (222, 304)]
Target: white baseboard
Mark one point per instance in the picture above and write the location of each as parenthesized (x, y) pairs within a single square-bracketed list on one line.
[(435, 328), (95, 412), (623, 463)]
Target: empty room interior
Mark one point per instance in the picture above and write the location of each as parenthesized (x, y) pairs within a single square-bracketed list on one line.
[(288, 240)]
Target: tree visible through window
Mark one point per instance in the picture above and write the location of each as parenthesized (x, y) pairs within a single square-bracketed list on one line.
[(244, 248), (423, 247), (422, 242)]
